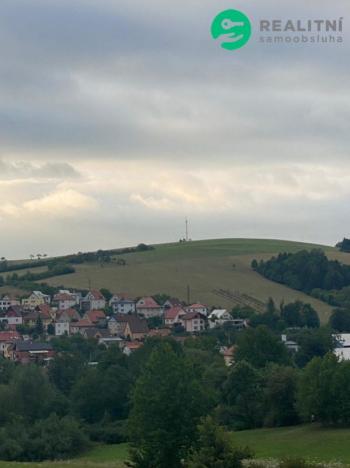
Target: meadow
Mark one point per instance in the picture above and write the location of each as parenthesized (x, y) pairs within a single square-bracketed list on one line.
[(202, 265)]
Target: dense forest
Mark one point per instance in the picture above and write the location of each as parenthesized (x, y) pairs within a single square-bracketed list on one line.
[(305, 271)]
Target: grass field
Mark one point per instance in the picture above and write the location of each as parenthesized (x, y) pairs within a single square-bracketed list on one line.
[(104, 456), (203, 265), (311, 442)]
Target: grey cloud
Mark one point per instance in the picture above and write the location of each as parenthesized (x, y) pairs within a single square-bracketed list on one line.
[(27, 170)]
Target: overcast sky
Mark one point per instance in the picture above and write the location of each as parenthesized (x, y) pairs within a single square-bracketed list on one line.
[(120, 118)]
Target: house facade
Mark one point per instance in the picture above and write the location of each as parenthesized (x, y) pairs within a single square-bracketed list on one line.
[(37, 298), (148, 308), (173, 316), (219, 317), (193, 322), (94, 300), (122, 305)]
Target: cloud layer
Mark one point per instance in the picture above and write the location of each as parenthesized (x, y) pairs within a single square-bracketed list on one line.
[(118, 119)]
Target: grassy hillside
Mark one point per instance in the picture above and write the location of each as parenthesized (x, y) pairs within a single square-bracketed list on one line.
[(203, 265), (312, 442)]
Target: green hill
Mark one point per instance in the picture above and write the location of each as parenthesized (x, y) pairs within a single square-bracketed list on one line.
[(217, 271)]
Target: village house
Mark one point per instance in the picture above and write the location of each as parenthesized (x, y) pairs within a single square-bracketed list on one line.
[(193, 322), (173, 316), (148, 308), (120, 304), (113, 326), (342, 349), (66, 300), (63, 321), (218, 317), (13, 317), (131, 347), (94, 300), (202, 309), (7, 338), (7, 301), (26, 352), (62, 327), (96, 317), (37, 298), (132, 327), (172, 302), (80, 326)]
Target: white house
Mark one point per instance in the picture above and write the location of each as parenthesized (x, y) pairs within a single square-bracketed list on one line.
[(122, 305), (66, 300), (62, 327), (342, 350), (218, 317), (202, 309), (13, 316), (6, 302), (94, 300), (148, 307)]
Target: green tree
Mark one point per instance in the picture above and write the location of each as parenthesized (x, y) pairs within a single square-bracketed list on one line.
[(260, 346), (242, 397), (215, 449), (280, 395), (167, 403)]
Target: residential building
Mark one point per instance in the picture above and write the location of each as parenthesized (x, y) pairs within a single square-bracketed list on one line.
[(37, 298), (173, 316), (7, 338), (202, 309), (120, 304), (218, 317), (94, 300), (96, 317), (13, 316), (7, 301), (193, 322), (66, 300), (26, 352), (148, 307), (342, 350), (132, 327), (62, 327)]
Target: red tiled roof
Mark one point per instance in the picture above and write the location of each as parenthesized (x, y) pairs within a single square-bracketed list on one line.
[(197, 306), (97, 294), (9, 336), (95, 315), (172, 313), (147, 303)]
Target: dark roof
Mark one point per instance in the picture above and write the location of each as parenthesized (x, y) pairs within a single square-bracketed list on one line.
[(136, 324), (29, 346)]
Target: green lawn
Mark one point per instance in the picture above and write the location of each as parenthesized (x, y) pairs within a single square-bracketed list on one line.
[(203, 265), (312, 442)]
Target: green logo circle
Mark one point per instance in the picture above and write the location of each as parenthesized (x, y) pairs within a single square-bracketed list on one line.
[(232, 29)]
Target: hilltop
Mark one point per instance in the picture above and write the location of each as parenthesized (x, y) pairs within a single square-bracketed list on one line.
[(217, 271)]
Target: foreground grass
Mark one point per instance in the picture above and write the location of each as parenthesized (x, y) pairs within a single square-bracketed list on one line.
[(203, 265), (103, 456), (310, 442)]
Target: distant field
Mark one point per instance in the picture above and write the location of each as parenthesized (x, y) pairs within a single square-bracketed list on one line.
[(312, 442), (203, 265)]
